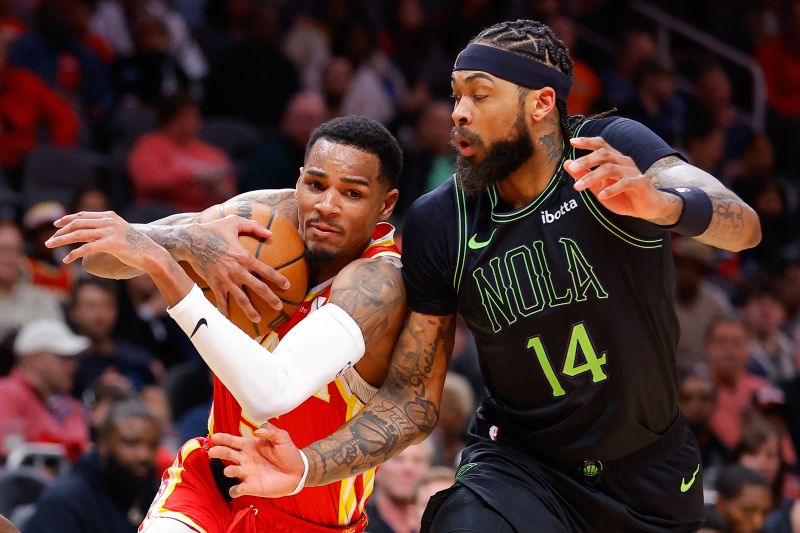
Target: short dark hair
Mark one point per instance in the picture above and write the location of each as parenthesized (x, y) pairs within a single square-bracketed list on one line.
[(367, 135), (169, 106), (534, 40), (125, 410), (107, 285), (733, 479)]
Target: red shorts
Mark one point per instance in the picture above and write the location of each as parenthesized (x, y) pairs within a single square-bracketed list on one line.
[(189, 494)]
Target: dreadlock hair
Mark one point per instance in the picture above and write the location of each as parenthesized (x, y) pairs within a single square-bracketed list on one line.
[(534, 40)]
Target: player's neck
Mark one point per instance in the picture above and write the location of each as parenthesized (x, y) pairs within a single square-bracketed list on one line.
[(320, 272), (529, 180)]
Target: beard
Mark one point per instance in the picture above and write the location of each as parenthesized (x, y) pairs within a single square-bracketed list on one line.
[(501, 159), (126, 488)]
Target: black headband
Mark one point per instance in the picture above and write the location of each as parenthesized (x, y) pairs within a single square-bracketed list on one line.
[(514, 68)]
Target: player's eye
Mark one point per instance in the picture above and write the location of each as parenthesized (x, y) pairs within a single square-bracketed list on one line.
[(479, 96), (315, 185), (353, 194)]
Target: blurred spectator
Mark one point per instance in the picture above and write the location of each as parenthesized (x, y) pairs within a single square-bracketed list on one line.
[(457, 406), (20, 301), (727, 343), (80, 19), (148, 73), (11, 26), (779, 57), (36, 404), (143, 320), (115, 20), (770, 199), (173, 165), (784, 520), (264, 77), (428, 162), (111, 487), (225, 24), (392, 506), (635, 48), (743, 504), (276, 164), (337, 76), (45, 268), (760, 449), (697, 397), (771, 350), (656, 103), (434, 480), (377, 87), (60, 58), (704, 143), (586, 86), (697, 301), (27, 106), (93, 309), (91, 200), (712, 98)]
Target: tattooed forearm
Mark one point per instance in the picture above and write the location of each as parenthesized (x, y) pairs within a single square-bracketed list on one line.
[(282, 200), (404, 411), (734, 225)]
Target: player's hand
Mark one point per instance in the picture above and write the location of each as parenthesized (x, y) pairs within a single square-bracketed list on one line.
[(216, 254), (617, 183), (103, 232), (267, 465)]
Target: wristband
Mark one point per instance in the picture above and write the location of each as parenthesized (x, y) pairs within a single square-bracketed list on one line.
[(697, 211), (302, 482)]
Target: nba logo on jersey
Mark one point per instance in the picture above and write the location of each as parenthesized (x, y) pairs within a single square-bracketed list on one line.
[(493, 432)]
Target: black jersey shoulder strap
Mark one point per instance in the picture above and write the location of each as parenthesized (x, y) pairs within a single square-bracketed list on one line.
[(599, 212), (461, 231)]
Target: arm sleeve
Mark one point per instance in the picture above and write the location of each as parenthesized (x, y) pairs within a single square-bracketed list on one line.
[(314, 352), (429, 251), (636, 141)]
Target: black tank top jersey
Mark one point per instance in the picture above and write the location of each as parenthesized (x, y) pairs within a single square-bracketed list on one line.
[(571, 306)]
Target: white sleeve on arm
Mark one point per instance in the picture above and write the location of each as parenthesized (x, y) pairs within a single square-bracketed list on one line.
[(310, 355)]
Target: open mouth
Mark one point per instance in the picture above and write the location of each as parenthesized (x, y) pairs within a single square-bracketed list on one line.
[(465, 146)]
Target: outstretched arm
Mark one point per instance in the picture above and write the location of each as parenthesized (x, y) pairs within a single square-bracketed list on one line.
[(621, 187), (208, 241), (403, 412)]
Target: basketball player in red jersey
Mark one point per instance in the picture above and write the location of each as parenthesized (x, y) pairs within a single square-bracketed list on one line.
[(333, 353)]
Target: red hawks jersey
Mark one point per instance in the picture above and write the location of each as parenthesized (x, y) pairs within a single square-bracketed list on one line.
[(342, 502)]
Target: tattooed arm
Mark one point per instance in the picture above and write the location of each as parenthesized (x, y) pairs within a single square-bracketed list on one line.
[(734, 225), (403, 412), (619, 184), (209, 243)]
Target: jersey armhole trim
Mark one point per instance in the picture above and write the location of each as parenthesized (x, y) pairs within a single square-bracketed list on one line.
[(461, 214), (597, 212)]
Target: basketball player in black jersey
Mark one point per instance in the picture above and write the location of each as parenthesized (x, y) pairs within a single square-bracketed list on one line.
[(552, 240)]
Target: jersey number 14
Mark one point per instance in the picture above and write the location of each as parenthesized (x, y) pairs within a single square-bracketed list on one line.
[(578, 339)]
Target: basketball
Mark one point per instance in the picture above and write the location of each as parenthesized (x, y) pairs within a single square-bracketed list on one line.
[(286, 253)]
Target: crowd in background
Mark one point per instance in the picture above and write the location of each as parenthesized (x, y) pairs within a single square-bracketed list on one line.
[(152, 107)]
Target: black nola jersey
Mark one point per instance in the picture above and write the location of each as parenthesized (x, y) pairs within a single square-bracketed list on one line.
[(571, 306)]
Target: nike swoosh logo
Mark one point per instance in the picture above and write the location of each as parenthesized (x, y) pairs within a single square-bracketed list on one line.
[(474, 244), (201, 322), (686, 486)]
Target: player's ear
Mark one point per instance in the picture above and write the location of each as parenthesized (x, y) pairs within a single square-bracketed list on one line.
[(389, 203), (540, 103)]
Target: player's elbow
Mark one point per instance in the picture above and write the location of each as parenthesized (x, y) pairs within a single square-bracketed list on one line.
[(751, 235)]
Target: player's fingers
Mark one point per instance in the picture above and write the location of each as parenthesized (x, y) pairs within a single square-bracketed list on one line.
[(271, 433), (226, 440), (66, 219), (253, 228), (269, 274), (594, 159), (81, 251), (243, 301), (82, 235), (233, 471), (238, 490), (265, 293), (607, 171), (591, 143), (623, 185), (220, 297), (81, 223)]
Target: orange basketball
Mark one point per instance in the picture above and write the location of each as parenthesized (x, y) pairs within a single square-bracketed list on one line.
[(286, 253)]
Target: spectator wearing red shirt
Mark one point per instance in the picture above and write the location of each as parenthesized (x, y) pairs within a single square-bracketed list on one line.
[(36, 404), (26, 104), (173, 165)]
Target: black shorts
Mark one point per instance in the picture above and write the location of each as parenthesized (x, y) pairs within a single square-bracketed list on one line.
[(659, 488)]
